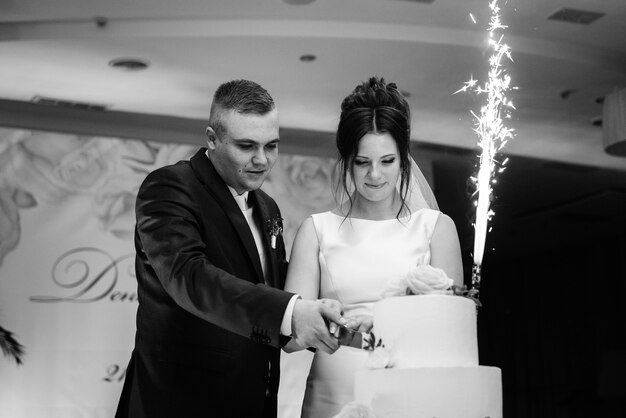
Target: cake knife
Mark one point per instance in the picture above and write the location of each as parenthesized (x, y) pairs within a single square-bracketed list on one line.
[(354, 338)]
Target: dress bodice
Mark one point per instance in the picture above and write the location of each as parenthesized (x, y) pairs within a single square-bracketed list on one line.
[(357, 257)]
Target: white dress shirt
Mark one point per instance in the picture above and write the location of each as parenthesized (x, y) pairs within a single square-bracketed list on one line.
[(242, 202)]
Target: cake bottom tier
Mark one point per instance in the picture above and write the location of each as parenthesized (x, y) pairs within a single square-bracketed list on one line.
[(432, 392)]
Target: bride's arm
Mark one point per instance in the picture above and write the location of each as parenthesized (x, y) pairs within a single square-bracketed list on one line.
[(445, 249), (303, 274)]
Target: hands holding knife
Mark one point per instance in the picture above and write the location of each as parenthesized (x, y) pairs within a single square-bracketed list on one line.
[(355, 332), (352, 331)]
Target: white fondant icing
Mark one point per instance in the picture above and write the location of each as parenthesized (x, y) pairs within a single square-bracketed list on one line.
[(434, 353), (428, 330), (432, 392)]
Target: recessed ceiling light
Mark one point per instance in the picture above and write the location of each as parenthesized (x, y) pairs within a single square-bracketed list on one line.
[(308, 57), (101, 21), (129, 64), (421, 1), (569, 15), (298, 2)]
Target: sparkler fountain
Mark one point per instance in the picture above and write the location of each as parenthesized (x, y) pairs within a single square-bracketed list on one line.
[(491, 131)]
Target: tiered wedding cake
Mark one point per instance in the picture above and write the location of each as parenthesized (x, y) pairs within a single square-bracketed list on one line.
[(433, 370)]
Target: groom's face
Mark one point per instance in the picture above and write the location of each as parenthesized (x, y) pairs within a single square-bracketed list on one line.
[(247, 150)]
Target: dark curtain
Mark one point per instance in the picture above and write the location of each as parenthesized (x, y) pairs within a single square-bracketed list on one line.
[(555, 323)]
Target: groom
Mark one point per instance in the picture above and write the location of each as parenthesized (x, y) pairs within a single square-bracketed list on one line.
[(210, 265)]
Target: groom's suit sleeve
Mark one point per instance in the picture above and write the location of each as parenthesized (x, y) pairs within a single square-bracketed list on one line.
[(187, 241)]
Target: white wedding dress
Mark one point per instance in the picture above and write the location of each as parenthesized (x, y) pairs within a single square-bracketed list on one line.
[(357, 257)]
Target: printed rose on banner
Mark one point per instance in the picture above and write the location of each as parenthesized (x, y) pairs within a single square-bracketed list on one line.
[(9, 223), (130, 162), (44, 166), (48, 166), (11, 201), (114, 206), (301, 185), (84, 167), (309, 179)]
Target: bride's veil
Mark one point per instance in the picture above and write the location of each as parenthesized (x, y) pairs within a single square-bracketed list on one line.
[(419, 195)]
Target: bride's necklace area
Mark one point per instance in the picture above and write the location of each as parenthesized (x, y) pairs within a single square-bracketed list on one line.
[(376, 211)]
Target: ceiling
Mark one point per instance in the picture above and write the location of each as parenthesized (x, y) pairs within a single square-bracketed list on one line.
[(560, 188), (61, 50)]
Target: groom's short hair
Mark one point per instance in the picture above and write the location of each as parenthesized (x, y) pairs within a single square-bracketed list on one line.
[(241, 96)]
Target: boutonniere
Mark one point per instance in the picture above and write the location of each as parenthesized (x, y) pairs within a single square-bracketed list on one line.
[(274, 227)]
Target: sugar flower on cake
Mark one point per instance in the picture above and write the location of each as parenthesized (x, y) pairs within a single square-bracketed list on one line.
[(395, 287), (355, 410), (428, 280), (420, 280), (379, 358)]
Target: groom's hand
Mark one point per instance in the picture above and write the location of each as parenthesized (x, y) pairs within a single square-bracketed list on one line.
[(309, 324), (335, 306)]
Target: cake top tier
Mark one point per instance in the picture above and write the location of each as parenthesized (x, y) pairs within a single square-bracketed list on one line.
[(427, 330)]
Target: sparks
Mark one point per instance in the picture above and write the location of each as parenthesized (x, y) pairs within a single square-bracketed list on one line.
[(491, 131)]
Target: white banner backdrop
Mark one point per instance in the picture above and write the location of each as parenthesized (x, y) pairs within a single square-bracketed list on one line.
[(67, 286)]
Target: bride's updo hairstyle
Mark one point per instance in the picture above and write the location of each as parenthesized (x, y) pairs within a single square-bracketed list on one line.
[(377, 107)]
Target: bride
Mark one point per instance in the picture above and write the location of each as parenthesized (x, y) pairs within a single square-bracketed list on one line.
[(386, 222)]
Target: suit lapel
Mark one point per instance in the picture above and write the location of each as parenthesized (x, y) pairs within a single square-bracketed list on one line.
[(208, 176)]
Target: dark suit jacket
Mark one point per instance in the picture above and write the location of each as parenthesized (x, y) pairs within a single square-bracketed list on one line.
[(208, 328)]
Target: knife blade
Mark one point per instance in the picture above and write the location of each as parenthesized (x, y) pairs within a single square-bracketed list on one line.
[(353, 338)]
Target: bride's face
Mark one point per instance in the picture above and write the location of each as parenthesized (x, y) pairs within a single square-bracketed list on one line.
[(376, 167)]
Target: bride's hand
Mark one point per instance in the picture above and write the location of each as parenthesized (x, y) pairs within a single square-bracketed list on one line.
[(362, 323)]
